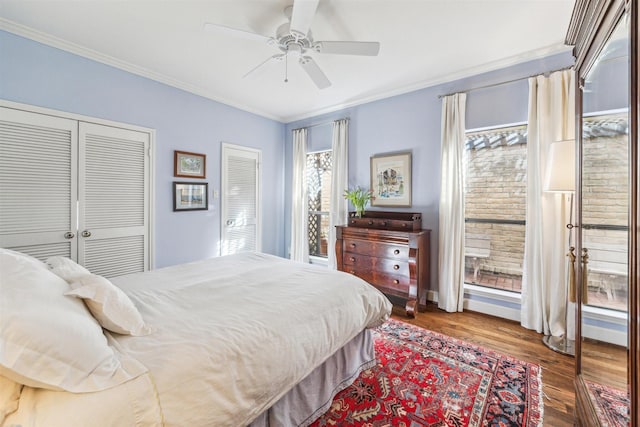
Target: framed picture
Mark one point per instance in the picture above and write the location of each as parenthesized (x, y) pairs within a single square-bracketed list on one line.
[(190, 196), (391, 180), (189, 165)]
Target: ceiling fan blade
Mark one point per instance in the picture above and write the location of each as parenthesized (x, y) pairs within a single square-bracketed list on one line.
[(223, 29), (348, 48), (302, 16), (314, 71), (269, 59)]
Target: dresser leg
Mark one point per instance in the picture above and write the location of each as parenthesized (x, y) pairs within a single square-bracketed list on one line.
[(410, 307)]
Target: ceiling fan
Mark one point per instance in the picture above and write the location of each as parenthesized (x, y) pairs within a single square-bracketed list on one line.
[(294, 40)]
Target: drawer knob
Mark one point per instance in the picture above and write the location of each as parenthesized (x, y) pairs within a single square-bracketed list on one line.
[(352, 259), (383, 223), (396, 267), (396, 252), (396, 281), (404, 224), (353, 245), (352, 272), (370, 222)]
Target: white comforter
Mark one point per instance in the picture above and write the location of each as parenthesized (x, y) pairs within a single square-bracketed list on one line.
[(231, 335)]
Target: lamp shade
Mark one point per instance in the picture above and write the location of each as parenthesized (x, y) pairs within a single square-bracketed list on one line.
[(561, 167)]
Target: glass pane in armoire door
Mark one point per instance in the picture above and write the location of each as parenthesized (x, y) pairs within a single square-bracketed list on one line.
[(605, 233)]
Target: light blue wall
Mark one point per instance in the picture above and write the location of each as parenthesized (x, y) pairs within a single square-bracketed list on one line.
[(411, 122), (33, 73), (36, 74)]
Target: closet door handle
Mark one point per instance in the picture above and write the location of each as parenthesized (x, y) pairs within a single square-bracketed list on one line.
[(69, 235), (86, 233)]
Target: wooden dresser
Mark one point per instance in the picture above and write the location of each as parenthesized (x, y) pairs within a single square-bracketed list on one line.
[(390, 250)]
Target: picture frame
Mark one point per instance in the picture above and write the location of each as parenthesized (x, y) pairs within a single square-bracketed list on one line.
[(391, 179), (190, 196), (189, 165)]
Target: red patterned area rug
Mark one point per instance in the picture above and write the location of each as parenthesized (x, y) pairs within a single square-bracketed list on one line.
[(423, 378), (612, 405)]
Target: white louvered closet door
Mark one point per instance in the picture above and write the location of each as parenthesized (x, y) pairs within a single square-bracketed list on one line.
[(38, 183), (113, 232), (240, 206)]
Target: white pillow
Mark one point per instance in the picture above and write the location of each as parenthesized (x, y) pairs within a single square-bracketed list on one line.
[(10, 256), (66, 268), (110, 306), (49, 340)]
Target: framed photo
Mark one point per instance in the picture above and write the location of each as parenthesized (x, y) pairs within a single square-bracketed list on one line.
[(189, 196), (189, 165), (391, 180)]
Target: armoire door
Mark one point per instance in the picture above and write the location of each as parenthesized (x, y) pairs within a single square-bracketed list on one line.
[(606, 380), (240, 206), (76, 189)]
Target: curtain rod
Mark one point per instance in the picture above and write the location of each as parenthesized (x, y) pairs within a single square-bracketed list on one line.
[(504, 83), (320, 124)]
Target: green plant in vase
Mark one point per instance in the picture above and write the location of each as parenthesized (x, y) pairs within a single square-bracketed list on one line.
[(358, 198)]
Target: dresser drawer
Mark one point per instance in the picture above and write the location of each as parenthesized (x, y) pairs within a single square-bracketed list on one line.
[(380, 265), (376, 249), (396, 284)]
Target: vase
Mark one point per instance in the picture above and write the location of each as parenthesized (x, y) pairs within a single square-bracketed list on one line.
[(359, 212)]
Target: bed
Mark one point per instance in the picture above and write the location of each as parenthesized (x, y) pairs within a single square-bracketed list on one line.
[(247, 339)]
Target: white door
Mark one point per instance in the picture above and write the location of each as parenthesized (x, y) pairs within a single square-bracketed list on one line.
[(240, 200), (113, 226), (75, 189), (38, 183)]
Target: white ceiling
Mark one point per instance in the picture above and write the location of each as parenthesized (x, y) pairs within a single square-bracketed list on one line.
[(422, 43)]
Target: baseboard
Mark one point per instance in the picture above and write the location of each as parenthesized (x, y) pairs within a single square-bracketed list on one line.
[(506, 307), (492, 309)]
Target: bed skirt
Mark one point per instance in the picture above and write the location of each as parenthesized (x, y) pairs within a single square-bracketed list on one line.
[(312, 396)]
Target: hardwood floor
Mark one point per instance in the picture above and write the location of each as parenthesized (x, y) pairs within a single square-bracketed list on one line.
[(509, 337)]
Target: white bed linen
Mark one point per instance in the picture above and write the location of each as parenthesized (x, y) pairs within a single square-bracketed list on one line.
[(231, 335)]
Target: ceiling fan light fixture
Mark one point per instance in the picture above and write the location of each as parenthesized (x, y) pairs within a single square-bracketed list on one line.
[(295, 50)]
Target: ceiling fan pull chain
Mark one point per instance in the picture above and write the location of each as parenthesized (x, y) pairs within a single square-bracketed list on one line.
[(286, 68)]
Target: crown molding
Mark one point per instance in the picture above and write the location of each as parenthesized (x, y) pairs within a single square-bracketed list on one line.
[(49, 40), (470, 72)]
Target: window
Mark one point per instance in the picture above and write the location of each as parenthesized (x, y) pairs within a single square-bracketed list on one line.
[(495, 206), (319, 199)]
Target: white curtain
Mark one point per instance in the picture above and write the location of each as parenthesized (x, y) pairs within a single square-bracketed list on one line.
[(451, 223), (339, 182), (299, 241), (545, 272)]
